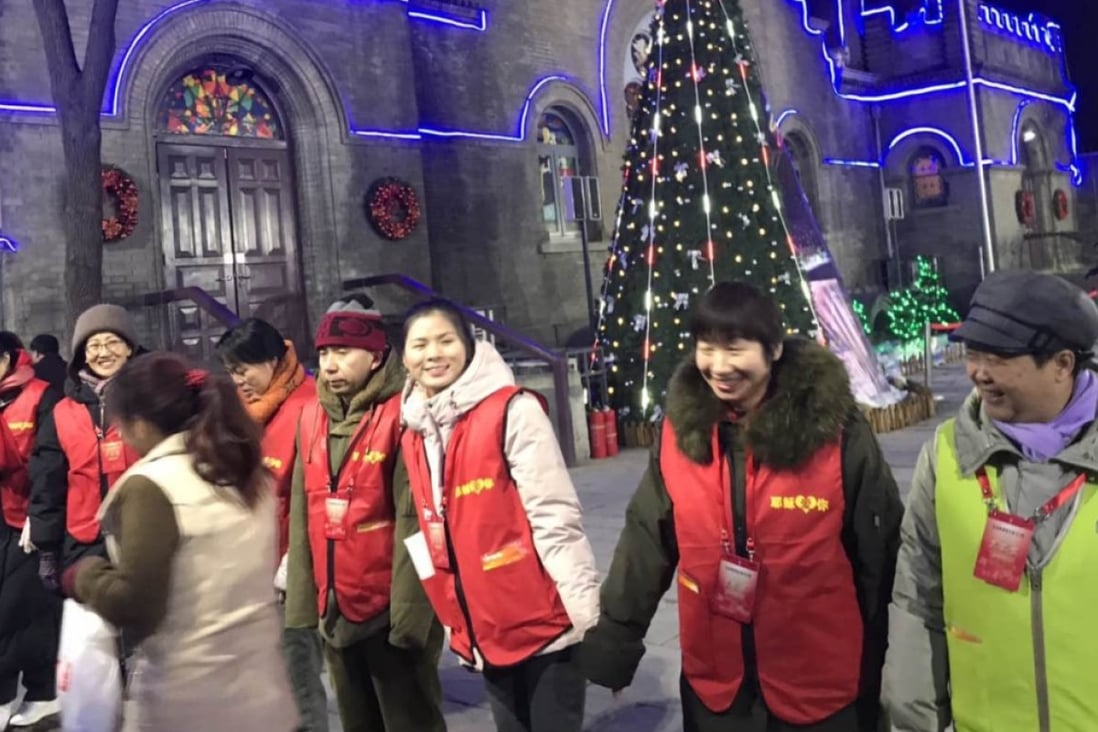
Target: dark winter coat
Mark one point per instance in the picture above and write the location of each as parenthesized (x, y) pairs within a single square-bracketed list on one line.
[(53, 370), (808, 405)]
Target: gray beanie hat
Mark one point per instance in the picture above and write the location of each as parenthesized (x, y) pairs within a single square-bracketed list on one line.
[(357, 303), (102, 319)]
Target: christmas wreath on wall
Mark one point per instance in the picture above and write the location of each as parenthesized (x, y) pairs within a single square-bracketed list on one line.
[(122, 191), (393, 208)]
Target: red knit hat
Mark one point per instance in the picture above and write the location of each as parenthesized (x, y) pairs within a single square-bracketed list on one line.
[(348, 324)]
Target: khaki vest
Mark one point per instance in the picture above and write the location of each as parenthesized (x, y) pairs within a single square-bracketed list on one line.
[(214, 662)]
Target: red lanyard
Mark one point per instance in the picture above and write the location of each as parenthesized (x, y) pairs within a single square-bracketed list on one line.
[(1055, 503)]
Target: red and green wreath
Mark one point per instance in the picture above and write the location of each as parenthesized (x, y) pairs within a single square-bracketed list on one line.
[(122, 191), (393, 208)]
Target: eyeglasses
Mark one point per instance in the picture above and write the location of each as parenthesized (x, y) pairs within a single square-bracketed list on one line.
[(113, 346)]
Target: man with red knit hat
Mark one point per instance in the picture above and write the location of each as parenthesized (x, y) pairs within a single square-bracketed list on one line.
[(350, 510)]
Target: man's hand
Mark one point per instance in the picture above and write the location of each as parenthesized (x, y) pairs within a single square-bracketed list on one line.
[(25, 542)]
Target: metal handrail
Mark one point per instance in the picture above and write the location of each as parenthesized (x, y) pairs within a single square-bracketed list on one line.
[(218, 310), (557, 360)]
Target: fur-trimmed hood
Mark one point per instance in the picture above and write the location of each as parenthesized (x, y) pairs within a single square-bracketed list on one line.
[(807, 404)]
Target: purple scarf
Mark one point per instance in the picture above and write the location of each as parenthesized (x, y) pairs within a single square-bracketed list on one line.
[(1042, 441)]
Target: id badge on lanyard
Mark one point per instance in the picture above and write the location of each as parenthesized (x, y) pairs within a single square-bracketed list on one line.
[(113, 456), (336, 515), (1004, 548), (737, 577), (737, 581)]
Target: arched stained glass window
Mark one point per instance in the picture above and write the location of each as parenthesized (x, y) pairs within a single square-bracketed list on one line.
[(205, 102)]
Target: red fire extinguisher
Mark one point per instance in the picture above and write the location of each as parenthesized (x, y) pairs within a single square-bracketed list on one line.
[(596, 427), (611, 418)]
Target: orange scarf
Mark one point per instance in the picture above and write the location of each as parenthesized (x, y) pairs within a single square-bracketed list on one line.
[(288, 375)]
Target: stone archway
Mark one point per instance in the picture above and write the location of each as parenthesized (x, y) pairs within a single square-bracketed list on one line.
[(309, 107)]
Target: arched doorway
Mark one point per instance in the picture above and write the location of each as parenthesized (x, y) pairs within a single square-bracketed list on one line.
[(227, 205)]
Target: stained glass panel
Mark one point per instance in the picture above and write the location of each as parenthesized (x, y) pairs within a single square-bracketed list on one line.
[(206, 103)]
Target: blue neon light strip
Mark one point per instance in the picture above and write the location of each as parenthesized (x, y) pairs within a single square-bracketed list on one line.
[(112, 106), (112, 97), (1047, 35), (929, 14), (425, 132), (851, 163), (414, 135)]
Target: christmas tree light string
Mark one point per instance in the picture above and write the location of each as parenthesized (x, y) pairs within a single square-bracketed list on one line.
[(761, 136), (642, 348), (695, 77)]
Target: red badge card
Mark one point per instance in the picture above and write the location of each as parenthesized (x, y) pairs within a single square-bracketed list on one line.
[(1003, 551), (737, 580)]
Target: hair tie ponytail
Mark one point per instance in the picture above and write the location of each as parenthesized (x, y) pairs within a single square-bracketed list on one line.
[(196, 378)]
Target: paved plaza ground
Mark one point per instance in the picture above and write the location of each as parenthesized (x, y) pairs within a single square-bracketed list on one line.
[(605, 487)]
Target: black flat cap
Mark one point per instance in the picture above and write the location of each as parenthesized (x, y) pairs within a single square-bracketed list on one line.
[(1023, 312)]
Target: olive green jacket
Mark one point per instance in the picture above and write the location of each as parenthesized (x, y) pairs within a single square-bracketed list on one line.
[(409, 618)]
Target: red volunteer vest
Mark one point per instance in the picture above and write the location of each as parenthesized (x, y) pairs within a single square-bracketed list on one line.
[(280, 450), (807, 624), (360, 565), (91, 454), (17, 431), (496, 597)]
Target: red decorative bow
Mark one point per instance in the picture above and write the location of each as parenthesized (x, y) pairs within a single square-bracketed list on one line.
[(196, 378)]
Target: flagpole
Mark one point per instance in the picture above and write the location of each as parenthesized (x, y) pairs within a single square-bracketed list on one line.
[(987, 258)]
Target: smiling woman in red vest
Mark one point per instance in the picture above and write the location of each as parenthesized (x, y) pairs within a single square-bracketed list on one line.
[(29, 615), (275, 389), (768, 503), (502, 552), (78, 454)]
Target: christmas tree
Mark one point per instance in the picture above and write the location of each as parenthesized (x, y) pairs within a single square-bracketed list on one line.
[(698, 204), (926, 301)]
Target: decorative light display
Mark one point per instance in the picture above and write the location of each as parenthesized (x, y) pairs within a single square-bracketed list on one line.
[(863, 316), (698, 204), (1040, 32), (112, 103), (928, 12), (926, 301)]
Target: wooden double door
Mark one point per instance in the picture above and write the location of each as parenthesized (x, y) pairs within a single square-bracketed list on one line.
[(228, 227)]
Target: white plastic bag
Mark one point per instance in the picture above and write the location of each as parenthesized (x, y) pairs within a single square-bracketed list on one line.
[(89, 677)]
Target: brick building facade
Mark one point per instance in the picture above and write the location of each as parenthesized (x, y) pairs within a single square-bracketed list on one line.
[(485, 109)]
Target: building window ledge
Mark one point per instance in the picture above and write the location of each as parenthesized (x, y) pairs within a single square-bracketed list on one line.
[(561, 245)]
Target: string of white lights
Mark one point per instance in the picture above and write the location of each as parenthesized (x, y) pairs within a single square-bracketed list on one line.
[(695, 74), (653, 209), (730, 28)]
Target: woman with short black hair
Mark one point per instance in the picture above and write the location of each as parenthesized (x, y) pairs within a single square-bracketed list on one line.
[(768, 502), (275, 389)]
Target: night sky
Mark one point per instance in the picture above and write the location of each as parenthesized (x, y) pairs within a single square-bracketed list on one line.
[(1079, 19)]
